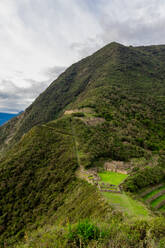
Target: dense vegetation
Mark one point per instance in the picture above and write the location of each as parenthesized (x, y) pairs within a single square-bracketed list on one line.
[(118, 97), (33, 177), (148, 176), (115, 232), (37, 180), (124, 85)]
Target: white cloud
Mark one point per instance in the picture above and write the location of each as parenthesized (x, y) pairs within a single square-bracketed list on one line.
[(134, 22), (38, 39), (37, 35)]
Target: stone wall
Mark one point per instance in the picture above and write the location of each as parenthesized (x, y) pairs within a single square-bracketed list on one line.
[(117, 166)]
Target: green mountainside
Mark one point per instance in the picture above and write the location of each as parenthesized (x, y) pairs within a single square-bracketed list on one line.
[(106, 111), (119, 81), (38, 179)]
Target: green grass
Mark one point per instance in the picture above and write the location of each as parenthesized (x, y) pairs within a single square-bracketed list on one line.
[(157, 201), (154, 192), (89, 114), (112, 177), (126, 204), (122, 201)]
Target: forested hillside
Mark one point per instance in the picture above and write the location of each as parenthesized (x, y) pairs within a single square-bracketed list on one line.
[(123, 84), (106, 110)]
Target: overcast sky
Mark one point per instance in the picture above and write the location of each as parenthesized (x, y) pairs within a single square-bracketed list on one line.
[(40, 38)]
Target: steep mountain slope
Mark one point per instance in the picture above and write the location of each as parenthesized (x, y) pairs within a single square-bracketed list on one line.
[(108, 107), (38, 177), (39, 189), (117, 80)]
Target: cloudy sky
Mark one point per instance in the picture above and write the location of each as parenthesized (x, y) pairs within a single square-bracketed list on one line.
[(40, 38)]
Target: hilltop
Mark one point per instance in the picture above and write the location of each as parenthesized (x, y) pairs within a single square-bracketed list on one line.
[(64, 155)]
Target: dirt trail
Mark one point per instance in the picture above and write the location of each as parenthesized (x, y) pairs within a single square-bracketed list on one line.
[(75, 142)]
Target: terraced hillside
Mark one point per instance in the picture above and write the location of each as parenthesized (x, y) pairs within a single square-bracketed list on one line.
[(155, 197), (121, 200), (149, 184)]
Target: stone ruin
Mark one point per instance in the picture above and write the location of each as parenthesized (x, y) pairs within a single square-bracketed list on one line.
[(117, 166)]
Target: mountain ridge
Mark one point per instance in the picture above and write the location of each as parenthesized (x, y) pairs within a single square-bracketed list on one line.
[(108, 108), (48, 100)]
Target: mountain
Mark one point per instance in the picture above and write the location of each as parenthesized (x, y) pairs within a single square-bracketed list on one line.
[(115, 75), (106, 111), (4, 117)]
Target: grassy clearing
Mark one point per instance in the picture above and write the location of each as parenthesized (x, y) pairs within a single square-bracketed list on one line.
[(154, 192), (126, 204), (122, 201), (112, 177)]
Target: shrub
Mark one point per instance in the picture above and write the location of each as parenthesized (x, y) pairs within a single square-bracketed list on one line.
[(161, 243), (84, 232), (157, 227)]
